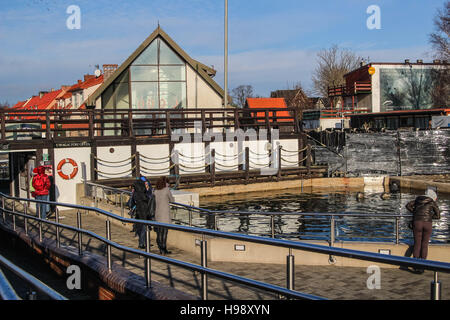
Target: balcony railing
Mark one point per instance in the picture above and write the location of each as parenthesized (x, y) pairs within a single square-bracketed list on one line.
[(130, 123), (339, 113), (356, 88)]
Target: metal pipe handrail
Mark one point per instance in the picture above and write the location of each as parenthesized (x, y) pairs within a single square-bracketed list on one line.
[(220, 274), (7, 291), (36, 283), (347, 253), (212, 211)]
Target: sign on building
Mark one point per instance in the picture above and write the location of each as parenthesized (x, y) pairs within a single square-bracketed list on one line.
[(440, 122)]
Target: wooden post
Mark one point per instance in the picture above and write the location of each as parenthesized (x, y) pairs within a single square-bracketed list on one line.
[(3, 126), (237, 125), (212, 167), (94, 176), (279, 163), (155, 125), (296, 125), (48, 133), (171, 162), (203, 121), (91, 124), (168, 128), (130, 124), (300, 147), (308, 159), (247, 164), (137, 163), (267, 121)]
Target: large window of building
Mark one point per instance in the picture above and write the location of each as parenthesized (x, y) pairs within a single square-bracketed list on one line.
[(156, 78)]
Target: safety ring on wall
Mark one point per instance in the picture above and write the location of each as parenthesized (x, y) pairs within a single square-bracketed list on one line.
[(74, 171)]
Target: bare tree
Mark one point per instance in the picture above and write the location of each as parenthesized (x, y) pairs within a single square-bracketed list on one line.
[(439, 39), (440, 93), (333, 64), (4, 105), (241, 93)]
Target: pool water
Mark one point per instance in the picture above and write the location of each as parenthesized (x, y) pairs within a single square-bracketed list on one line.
[(310, 227)]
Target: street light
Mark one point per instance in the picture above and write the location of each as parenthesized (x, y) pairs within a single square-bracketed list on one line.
[(226, 55)]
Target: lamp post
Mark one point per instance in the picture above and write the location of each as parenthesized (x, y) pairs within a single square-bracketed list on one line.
[(226, 55)]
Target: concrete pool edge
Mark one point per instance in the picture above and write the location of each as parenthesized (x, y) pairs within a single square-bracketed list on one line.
[(421, 182), (312, 183)]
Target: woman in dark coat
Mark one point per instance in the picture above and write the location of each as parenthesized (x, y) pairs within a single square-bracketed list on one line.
[(163, 197), (425, 210), (142, 201)]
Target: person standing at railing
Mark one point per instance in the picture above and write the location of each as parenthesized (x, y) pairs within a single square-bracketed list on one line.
[(143, 202), (163, 197), (425, 210), (41, 184)]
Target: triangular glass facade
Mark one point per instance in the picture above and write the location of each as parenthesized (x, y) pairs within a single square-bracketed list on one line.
[(156, 78)]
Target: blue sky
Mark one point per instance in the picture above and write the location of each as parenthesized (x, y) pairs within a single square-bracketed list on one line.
[(272, 44)]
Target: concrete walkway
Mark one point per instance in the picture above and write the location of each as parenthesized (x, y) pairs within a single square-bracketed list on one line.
[(332, 282)]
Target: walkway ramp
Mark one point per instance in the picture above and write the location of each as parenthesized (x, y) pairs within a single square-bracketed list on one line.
[(327, 281)]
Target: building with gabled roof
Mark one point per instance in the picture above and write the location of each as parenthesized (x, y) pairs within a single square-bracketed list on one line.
[(159, 75), (261, 103)]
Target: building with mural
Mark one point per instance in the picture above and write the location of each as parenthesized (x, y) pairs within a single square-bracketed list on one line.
[(389, 95)]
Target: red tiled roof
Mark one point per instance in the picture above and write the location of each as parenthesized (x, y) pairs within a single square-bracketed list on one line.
[(47, 99), (255, 103), (266, 103), (18, 105), (86, 84), (32, 103), (67, 95), (92, 82)]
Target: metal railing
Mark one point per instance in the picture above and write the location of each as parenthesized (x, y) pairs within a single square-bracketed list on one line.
[(7, 291), (202, 269), (289, 292), (100, 192)]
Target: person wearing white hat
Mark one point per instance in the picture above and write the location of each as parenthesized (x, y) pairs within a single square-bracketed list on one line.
[(425, 210)]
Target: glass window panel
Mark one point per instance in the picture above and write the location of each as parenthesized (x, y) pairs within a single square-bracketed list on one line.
[(149, 55), (123, 78), (107, 98), (144, 95), (172, 73), (144, 73), (122, 96), (167, 55), (172, 95)]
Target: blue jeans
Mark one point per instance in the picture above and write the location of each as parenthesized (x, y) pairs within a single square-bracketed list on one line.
[(42, 208)]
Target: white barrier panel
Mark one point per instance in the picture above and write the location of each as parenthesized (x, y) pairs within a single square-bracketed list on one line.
[(154, 159), (114, 162), (65, 189)]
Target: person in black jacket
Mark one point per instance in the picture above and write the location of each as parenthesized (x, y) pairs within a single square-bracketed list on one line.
[(425, 210), (144, 206)]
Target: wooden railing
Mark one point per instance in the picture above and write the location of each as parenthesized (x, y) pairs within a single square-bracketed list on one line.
[(356, 88), (339, 113), (54, 124)]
